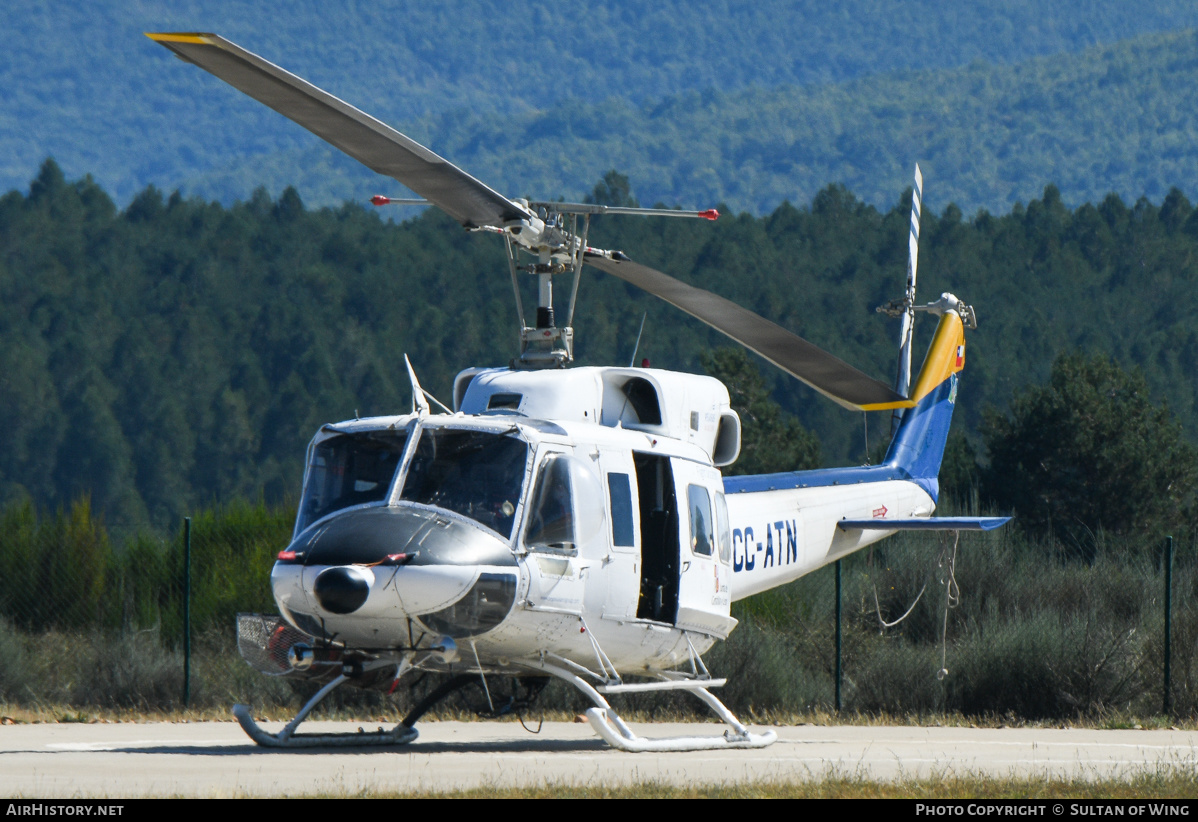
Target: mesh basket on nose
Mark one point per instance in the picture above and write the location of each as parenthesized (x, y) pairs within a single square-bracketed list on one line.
[(264, 640)]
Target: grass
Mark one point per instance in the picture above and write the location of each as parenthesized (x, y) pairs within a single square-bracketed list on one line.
[(40, 714), (948, 786), (1149, 785)]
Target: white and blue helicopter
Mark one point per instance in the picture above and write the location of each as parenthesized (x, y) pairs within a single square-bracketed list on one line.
[(564, 522)]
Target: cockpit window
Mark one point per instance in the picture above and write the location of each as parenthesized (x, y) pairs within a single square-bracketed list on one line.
[(478, 474), (551, 517), (350, 469), (566, 509)]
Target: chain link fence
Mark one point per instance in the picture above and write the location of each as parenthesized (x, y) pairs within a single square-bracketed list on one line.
[(995, 625)]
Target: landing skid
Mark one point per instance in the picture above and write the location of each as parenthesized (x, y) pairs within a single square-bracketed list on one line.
[(401, 734), (615, 732), (606, 722)]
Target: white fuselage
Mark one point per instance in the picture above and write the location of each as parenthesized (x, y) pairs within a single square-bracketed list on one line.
[(778, 536), (598, 544)]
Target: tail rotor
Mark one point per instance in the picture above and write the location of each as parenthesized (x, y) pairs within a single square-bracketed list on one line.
[(906, 307)]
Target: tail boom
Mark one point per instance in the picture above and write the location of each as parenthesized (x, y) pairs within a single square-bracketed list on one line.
[(789, 524), (781, 535)]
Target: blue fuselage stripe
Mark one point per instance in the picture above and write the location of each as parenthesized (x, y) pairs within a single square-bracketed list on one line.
[(819, 478), (914, 454)]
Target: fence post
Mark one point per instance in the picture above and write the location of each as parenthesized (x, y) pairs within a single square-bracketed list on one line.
[(186, 611), (1168, 702), (838, 645)]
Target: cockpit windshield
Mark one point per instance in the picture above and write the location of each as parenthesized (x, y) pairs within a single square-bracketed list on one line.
[(350, 469), (478, 474)]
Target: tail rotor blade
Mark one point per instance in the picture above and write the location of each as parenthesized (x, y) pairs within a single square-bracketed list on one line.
[(902, 383), (904, 376)]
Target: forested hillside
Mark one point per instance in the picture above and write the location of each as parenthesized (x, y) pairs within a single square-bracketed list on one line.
[(1122, 118), (749, 103), (179, 352)]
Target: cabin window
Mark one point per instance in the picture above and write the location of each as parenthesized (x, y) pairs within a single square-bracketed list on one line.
[(702, 533), (350, 469), (478, 474), (723, 531), (619, 490), (567, 505)]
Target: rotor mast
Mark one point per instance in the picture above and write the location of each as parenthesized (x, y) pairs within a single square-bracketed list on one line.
[(554, 237), (544, 344), (549, 231)]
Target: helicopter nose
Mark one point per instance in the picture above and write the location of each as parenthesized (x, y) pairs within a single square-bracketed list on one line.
[(343, 589), (366, 567)]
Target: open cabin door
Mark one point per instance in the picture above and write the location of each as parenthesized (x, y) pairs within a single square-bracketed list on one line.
[(660, 544), (685, 545)]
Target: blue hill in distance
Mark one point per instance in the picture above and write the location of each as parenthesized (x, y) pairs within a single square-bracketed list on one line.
[(744, 103)]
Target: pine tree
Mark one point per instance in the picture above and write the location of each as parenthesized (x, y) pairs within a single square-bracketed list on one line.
[(1090, 452)]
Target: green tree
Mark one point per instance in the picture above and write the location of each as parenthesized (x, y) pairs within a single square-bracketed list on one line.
[(958, 468), (771, 440), (613, 190), (54, 570), (1089, 452)]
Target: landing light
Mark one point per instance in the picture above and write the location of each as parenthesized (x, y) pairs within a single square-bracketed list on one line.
[(301, 656)]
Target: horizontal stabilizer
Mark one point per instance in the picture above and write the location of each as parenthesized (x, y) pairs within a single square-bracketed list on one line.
[(924, 524), (369, 141), (826, 373)]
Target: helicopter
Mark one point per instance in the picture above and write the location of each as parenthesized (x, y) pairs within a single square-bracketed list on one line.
[(564, 522)]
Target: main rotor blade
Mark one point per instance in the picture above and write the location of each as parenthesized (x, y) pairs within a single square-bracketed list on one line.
[(371, 142), (827, 374)]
